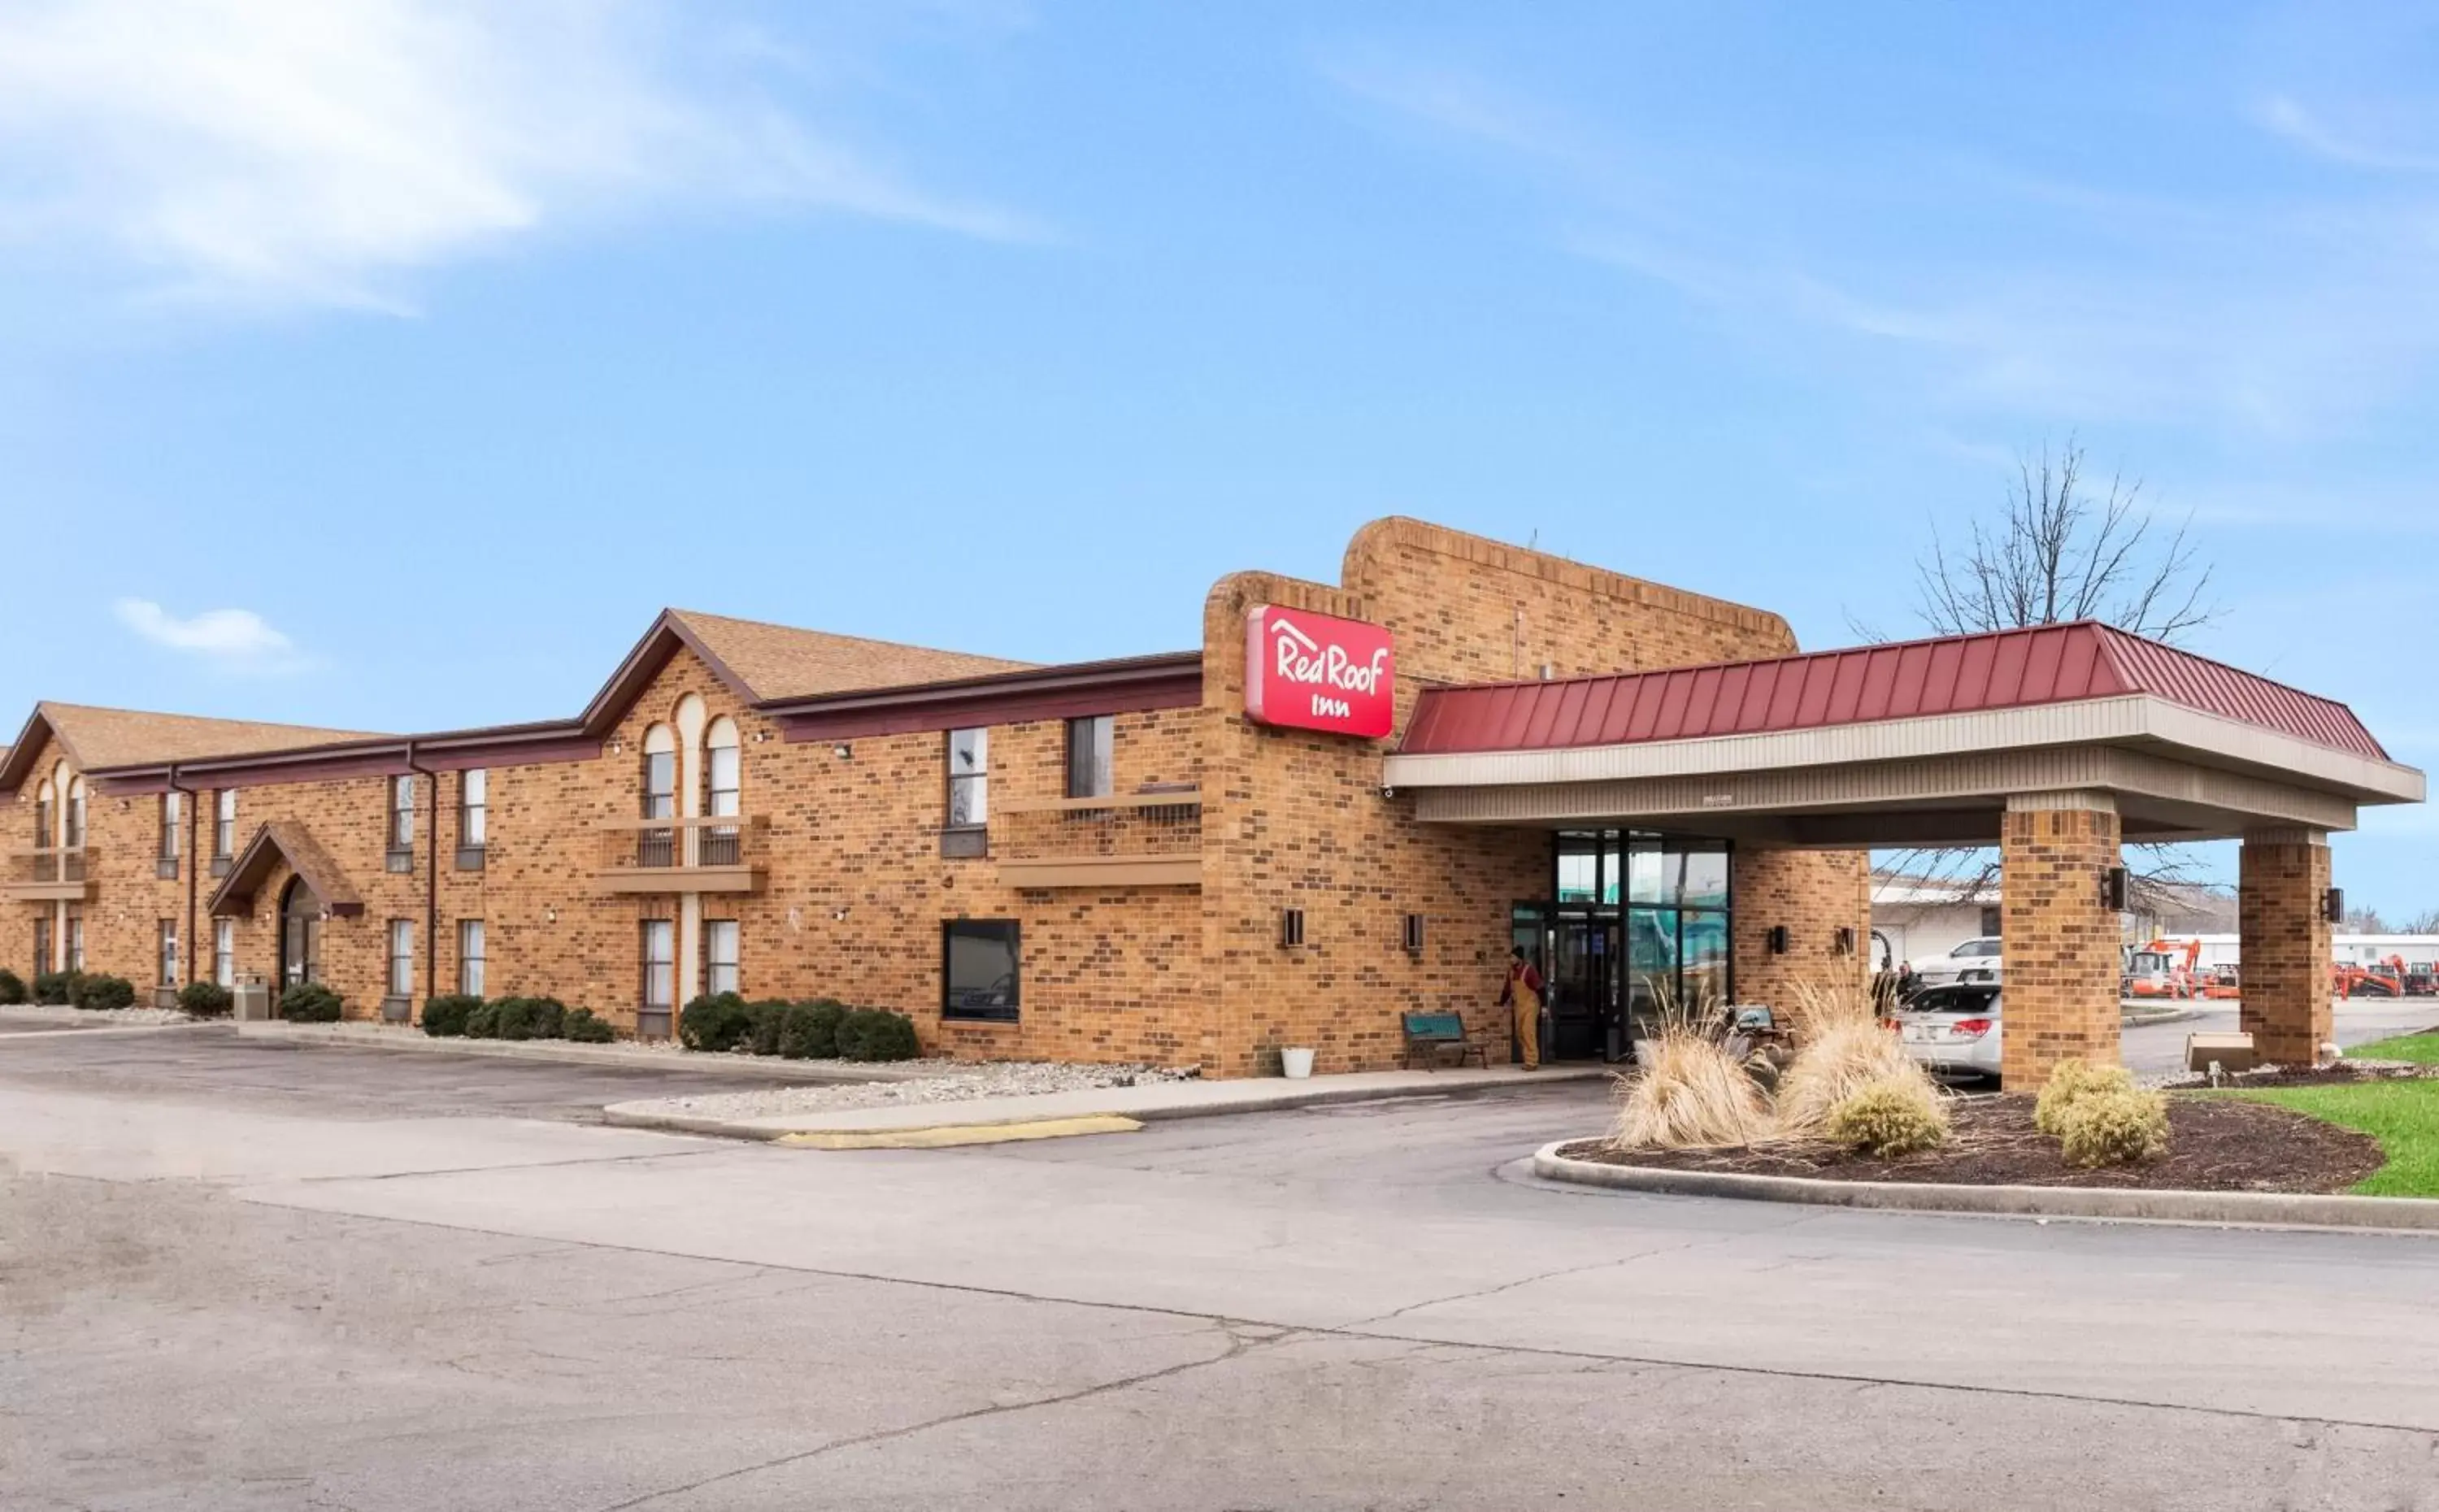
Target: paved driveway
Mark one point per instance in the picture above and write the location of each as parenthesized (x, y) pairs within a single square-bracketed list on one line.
[(212, 1064), (272, 1298)]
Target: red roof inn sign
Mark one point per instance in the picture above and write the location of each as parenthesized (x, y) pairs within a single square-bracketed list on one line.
[(1306, 672)]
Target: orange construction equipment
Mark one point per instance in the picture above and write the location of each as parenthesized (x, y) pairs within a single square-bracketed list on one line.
[(2223, 982), (2162, 969), (2382, 979)]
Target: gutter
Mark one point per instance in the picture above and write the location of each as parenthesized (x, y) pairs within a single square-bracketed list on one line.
[(431, 888), (192, 861)]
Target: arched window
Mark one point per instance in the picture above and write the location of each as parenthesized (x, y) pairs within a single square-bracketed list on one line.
[(723, 775), (657, 847), (72, 831), (300, 934), (45, 807)]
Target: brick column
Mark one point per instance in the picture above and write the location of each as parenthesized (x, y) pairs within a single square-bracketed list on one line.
[(2060, 956), (2285, 969), (1813, 894)]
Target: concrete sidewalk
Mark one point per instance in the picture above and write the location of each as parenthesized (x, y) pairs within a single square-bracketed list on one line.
[(623, 1054), (1149, 1101)]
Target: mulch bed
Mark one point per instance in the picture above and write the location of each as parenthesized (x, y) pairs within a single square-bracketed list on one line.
[(2215, 1146)]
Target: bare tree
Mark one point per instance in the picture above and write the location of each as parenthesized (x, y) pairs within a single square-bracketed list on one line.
[(2061, 550), (2426, 923)]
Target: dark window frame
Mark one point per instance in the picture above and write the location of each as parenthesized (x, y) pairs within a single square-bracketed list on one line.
[(473, 817), (959, 782), (734, 965), (165, 951), (645, 928), (397, 973), (475, 984), (1091, 756), (223, 825), (1006, 932)]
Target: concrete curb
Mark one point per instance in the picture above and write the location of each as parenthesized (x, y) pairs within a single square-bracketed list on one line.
[(99, 1031), (2144, 1021), (2279, 1209), (414, 1041), (625, 1115)]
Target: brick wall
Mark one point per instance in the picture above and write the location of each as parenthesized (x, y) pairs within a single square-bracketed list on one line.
[(1815, 895), (2062, 944), (2281, 877)]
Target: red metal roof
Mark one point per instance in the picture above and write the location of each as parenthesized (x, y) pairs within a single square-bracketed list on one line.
[(1954, 674)]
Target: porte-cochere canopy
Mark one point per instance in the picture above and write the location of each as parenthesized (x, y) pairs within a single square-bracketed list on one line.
[(1914, 743)]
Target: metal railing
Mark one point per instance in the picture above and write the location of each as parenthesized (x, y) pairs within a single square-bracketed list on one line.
[(676, 846), (1139, 826), (49, 866)]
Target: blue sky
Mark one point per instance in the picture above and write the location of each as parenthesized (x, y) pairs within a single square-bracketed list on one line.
[(386, 366)]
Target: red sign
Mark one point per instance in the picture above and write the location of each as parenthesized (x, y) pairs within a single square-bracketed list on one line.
[(1307, 671)]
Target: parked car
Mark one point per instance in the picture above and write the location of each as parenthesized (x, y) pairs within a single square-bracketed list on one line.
[(1953, 1029), (1976, 960)]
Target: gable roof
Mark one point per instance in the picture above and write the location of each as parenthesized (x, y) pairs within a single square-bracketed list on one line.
[(776, 661), (286, 840), (100, 738), (1952, 674)]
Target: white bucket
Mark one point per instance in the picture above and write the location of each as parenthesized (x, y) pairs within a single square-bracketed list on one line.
[(1296, 1063)]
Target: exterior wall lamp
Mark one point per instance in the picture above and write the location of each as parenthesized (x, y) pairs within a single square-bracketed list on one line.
[(1845, 940), (2332, 905), (1778, 939), (2112, 889)]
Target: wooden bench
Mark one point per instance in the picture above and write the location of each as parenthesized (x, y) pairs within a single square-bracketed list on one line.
[(1438, 1033)]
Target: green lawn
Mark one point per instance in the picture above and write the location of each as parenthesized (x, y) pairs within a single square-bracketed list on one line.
[(2402, 1116), (2421, 1048)]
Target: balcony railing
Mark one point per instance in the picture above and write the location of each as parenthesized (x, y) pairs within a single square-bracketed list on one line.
[(46, 873), (1131, 839), (712, 853)]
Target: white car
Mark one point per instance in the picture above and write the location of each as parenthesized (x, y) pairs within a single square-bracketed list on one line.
[(1976, 960), (1953, 1029)]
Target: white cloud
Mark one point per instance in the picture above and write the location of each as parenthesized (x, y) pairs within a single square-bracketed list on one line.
[(2285, 118), (316, 150), (235, 638)]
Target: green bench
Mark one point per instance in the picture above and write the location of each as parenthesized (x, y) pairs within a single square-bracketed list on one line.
[(1438, 1033)]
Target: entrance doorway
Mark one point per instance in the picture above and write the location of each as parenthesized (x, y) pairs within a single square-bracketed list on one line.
[(1577, 952), (300, 934)]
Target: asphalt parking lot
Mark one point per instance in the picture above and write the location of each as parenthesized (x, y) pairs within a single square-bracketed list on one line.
[(213, 1064)]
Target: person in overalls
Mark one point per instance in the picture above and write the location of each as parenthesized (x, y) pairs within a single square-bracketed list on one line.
[(1524, 994)]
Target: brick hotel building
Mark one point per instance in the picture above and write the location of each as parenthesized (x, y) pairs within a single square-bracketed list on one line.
[(1346, 804)]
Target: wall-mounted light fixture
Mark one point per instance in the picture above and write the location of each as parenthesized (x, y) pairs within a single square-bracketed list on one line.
[(1845, 942), (550, 915), (1290, 928), (1778, 939), (2112, 889), (1414, 934), (2332, 905), (843, 751)]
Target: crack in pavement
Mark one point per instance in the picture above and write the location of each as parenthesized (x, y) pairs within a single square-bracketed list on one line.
[(1239, 1344)]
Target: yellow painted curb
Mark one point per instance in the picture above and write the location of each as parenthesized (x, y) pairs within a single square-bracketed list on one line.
[(946, 1136)]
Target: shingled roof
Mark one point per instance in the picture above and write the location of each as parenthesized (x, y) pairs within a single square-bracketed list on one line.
[(779, 661), (100, 738)]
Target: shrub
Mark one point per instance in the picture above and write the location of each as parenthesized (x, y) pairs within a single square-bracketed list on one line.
[(583, 1029), (1689, 1092), (715, 1023), (2070, 1082), (809, 1031), (104, 993), (548, 1017), (55, 989), (2116, 1126), (513, 1018), (1842, 1047), (886, 1037), (483, 1021), (12, 987), (309, 1003), (1890, 1118), (766, 1019), (444, 1017), (205, 1000)]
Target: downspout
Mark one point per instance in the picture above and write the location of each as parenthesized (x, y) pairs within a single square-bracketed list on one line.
[(431, 887), (191, 861)]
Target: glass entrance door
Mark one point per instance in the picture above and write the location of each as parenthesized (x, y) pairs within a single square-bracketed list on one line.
[(1577, 952)]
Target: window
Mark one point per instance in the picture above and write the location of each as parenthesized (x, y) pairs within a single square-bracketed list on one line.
[(658, 847), (174, 811), (473, 809), (45, 805), (978, 973), (723, 768), (75, 961), (402, 958), (72, 835), (968, 778), (169, 951), (1089, 750), (1989, 919), (660, 963), (720, 955), (402, 823), (470, 958), (225, 951), (42, 947), (224, 825)]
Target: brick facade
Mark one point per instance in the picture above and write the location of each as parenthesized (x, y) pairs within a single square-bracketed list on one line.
[(2062, 950), (856, 881), (1813, 895), (2284, 944)]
